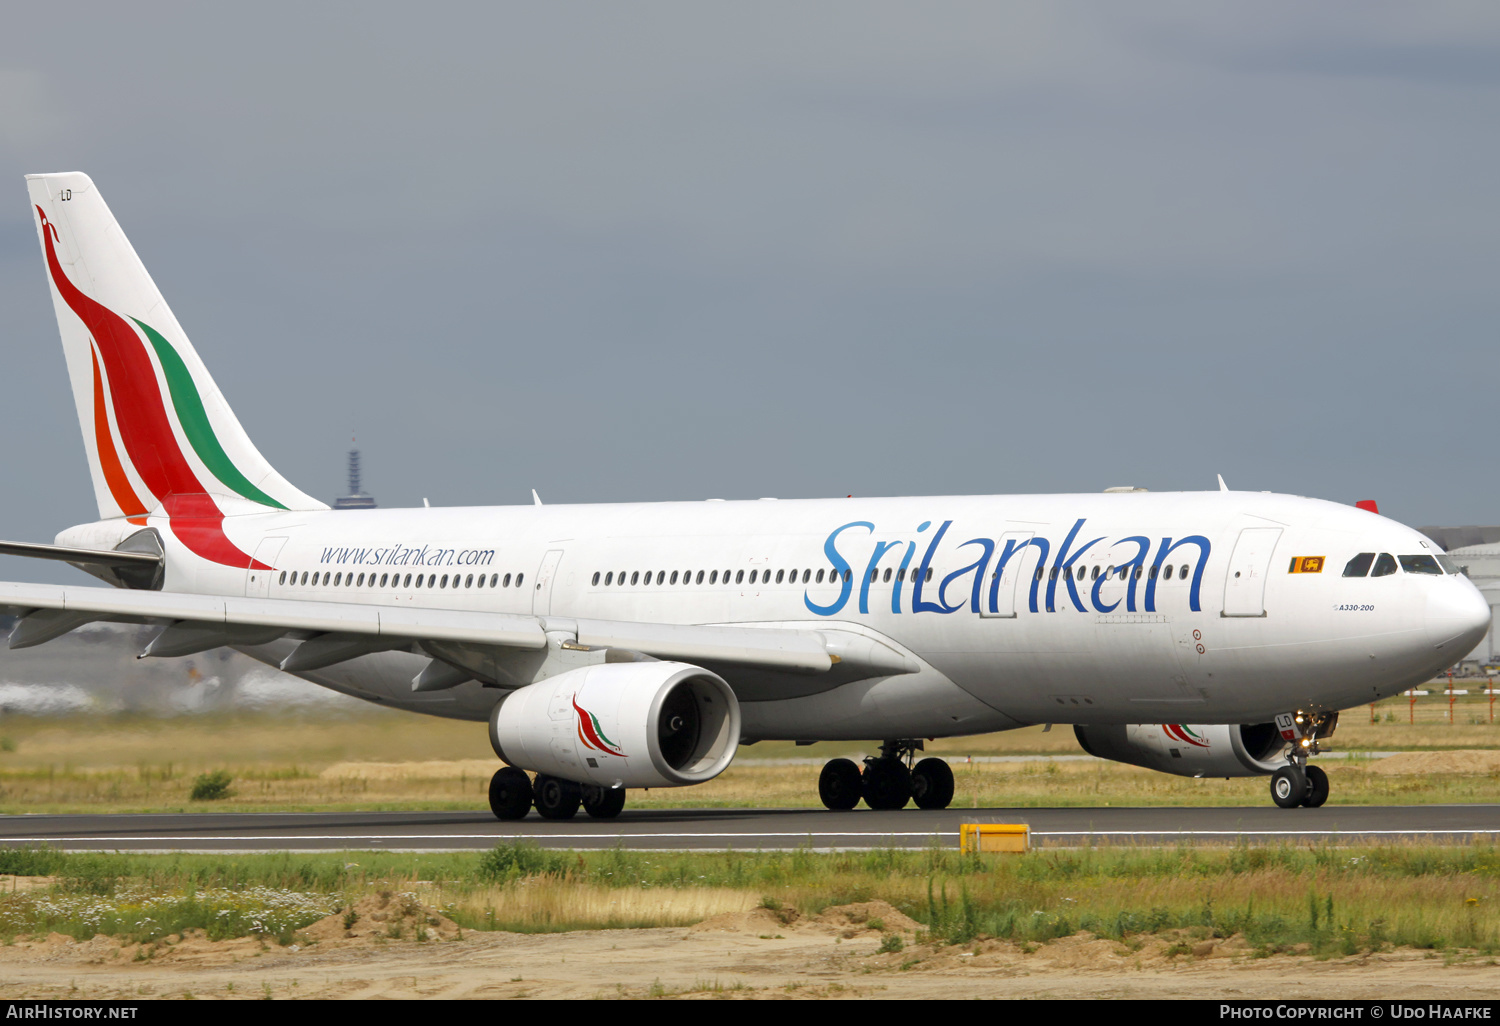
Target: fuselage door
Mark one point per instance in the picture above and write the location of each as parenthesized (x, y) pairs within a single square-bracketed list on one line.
[(1245, 582), (541, 595), (258, 582), (998, 599)]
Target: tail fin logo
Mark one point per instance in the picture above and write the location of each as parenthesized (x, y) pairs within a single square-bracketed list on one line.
[(590, 733), (145, 428)]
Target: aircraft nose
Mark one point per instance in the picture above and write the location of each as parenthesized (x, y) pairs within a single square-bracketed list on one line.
[(1457, 617)]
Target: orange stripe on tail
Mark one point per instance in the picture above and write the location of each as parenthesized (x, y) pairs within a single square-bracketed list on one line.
[(109, 460)]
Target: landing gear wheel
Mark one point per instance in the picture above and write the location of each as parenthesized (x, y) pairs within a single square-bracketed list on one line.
[(932, 784), (510, 793), (886, 784), (603, 802), (1317, 787), (556, 798), (839, 785), (1288, 787)]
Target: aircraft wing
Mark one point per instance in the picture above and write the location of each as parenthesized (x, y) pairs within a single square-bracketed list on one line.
[(331, 632)]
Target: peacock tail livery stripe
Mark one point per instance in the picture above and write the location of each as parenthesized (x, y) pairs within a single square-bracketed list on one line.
[(145, 430)]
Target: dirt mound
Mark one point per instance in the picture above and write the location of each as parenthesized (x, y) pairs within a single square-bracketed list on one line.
[(387, 915), (759, 921), (1417, 763), (434, 769), (868, 915)]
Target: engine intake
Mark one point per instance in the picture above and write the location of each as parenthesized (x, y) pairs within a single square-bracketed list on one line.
[(646, 724), (1188, 750)]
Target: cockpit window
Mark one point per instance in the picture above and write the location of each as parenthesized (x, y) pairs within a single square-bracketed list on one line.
[(1421, 564), (1448, 564), (1359, 566), (1385, 565)]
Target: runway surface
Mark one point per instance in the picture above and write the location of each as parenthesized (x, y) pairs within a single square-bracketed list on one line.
[(746, 829)]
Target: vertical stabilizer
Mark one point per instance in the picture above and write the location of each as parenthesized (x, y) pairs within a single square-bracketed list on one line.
[(158, 432)]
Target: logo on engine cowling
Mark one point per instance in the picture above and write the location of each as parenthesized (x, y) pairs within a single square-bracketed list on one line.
[(1182, 732), (590, 733)]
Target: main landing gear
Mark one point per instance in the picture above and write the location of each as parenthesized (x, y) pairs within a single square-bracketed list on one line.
[(889, 780), (513, 793), (1298, 783)]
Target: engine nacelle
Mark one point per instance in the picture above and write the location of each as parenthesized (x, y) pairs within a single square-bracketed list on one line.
[(645, 724), (1188, 750)]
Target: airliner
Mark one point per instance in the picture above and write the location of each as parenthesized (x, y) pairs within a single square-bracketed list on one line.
[(636, 645)]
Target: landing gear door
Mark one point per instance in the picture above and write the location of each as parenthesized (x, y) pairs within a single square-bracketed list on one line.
[(999, 598), (1245, 581), (258, 581)]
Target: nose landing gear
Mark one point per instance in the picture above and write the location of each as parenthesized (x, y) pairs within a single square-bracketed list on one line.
[(889, 780), (1298, 783)]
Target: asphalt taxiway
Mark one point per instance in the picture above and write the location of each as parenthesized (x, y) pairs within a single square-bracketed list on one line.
[(748, 829)]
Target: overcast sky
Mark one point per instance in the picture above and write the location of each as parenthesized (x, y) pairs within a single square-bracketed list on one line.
[(673, 251)]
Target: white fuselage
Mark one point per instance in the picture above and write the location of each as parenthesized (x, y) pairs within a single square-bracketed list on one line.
[(1238, 639)]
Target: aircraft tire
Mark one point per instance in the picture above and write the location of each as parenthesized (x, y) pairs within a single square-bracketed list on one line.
[(932, 784), (603, 802), (839, 785), (886, 784), (556, 798), (1317, 787), (1288, 787), (510, 793)]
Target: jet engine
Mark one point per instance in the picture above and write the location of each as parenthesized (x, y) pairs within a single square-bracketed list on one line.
[(1188, 750), (637, 724)]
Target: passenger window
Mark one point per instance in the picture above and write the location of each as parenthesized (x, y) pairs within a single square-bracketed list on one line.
[(361, 581), (337, 578), (674, 576), (444, 582), (820, 577), (806, 576), (1182, 573), (700, 577), (1154, 571), (634, 577), (283, 578), (713, 578), (1421, 564), (1083, 572), (494, 579), (1036, 576), (419, 580), (1166, 574), (609, 578), (469, 581), (1385, 565), (383, 579), (848, 575), (1095, 575), (661, 575), (506, 582), (1125, 572), (480, 583), (406, 583), (1359, 566), (929, 575), (754, 572), (1138, 571), (739, 577), (519, 579)]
